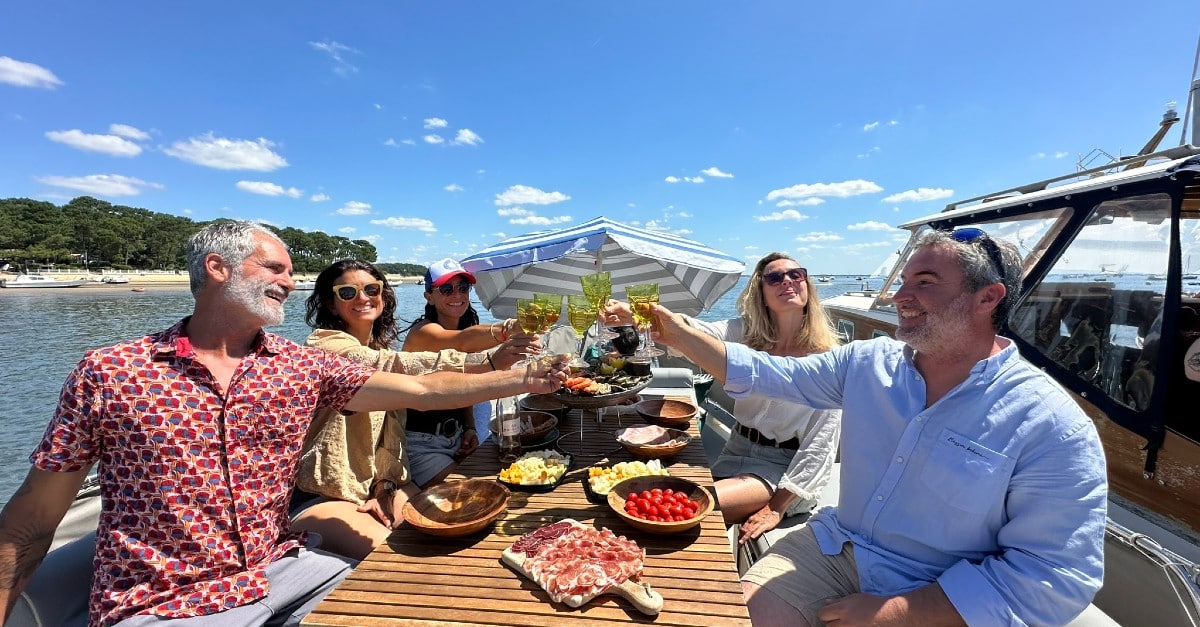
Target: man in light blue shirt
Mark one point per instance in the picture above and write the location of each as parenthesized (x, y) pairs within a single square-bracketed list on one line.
[(973, 487)]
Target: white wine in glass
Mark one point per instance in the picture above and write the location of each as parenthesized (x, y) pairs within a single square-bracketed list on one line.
[(642, 298)]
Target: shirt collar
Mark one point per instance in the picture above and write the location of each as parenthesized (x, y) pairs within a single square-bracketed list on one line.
[(175, 341), (988, 368)]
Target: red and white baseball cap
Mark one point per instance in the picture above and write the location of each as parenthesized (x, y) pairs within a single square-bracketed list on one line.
[(440, 272)]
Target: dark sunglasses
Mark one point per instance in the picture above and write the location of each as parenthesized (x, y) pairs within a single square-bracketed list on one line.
[(350, 292), (970, 235), (446, 289), (775, 278)]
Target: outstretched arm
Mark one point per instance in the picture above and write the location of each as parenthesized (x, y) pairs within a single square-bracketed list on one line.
[(27, 526), (701, 348), (449, 390)]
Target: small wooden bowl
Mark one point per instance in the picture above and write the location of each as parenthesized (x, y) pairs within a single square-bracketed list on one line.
[(457, 508), (678, 441), (667, 412), (547, 403), (616, 501), (542, 424)]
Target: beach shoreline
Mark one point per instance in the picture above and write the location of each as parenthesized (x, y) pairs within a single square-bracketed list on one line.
[(157, 280)]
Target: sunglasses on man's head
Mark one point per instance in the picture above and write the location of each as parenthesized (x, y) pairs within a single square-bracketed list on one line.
[(970, 235), (350, 292), (775, 278), (446, 289)]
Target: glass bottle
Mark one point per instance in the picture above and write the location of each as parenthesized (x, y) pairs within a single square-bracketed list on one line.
[(508, 421)]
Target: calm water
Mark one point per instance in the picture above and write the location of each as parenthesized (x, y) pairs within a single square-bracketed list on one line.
[(43, 334)]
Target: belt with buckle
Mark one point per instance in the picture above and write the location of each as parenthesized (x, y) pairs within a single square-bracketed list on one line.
[(446, 428), (756, 436)]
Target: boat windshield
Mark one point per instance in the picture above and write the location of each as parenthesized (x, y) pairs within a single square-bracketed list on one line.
[(1098, 309)]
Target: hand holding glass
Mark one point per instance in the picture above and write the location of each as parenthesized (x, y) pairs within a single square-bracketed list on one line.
[(642, 298)]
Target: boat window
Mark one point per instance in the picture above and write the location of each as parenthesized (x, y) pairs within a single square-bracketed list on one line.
[(845, 330), (1096, 312)]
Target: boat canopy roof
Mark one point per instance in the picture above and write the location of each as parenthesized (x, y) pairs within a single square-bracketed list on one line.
[(1041, 191)]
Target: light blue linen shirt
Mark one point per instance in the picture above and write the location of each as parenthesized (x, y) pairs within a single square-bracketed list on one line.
[(998, 491)]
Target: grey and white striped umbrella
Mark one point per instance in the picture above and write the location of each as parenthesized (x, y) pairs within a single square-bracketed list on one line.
[(691, 276)]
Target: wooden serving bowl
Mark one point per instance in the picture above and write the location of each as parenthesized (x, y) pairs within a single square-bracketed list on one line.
[(542, 424), (616, 501), (547, 403), (679, 441), (457, 508), (667, 412)]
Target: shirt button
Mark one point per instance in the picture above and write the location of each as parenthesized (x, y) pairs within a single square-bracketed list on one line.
[(920, 418), (879, 497), (899, 460)]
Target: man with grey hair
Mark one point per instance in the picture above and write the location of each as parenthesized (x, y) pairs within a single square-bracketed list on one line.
[(196, 431), (973, 488)]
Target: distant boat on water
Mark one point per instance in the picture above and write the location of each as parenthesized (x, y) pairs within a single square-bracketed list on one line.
[(306, 285), (115, 279), (825, 279), (39, 281)]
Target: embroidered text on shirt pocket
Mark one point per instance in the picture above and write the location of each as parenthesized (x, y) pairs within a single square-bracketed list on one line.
[(966, 474)]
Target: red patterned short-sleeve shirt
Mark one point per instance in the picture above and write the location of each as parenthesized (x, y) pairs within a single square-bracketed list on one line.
[(195, 484)]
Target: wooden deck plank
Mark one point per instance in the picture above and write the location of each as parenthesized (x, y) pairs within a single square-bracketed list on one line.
[(415, 579)]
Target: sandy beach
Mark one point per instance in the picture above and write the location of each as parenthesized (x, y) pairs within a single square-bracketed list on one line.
[(163, 280)]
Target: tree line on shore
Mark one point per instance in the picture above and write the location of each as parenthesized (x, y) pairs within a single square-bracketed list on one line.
[(93, 234)]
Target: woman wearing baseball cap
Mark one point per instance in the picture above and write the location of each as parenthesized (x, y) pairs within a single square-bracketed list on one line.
[(438, 440)]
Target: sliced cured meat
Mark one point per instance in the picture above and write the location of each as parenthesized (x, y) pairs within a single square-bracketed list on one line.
[(584, 562), (575, 563), (649, 434)]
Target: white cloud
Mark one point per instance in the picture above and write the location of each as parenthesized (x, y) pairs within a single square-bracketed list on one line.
[(100, 184), (870, 126), (432, 123), (24, 74), (1061, 154), (845, 189), (128, 132), (1057, 155), (811, 201), (319, 197), (467, 137), (525, 195), (228, 154), (786, 214), (685, 214), (867, 154), (372, 238), (433, 139), (520, 215), (347, 230), (341, 66), (107, 144), (694, 179), (391, 142), (869, 225), (672, 179), (407, 224), (921, 194), (453, 187), (354, 208), (264, 188), (819, 236), (716, 173)]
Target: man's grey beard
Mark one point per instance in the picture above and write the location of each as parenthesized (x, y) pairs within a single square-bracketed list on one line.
[(251, 294)]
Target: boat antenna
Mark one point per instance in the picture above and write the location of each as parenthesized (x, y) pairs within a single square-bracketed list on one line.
[(1193, 107)]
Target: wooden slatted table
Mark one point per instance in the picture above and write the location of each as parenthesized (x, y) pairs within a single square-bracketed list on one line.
[(417, 579)]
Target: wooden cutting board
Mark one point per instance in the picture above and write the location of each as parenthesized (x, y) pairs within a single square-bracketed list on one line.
[(640, 594)]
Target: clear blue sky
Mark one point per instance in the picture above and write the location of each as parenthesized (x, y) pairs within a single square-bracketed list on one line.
[(435, 129)]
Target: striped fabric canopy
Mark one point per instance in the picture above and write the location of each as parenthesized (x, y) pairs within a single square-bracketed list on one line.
[(690, 275)]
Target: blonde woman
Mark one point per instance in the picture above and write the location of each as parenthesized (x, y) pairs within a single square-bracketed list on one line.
[(780, 454)]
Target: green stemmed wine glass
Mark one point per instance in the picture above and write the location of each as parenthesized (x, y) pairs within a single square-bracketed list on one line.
[(641, 298)]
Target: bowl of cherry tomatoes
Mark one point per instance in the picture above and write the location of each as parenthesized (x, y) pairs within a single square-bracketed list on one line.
[(661, 504)]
